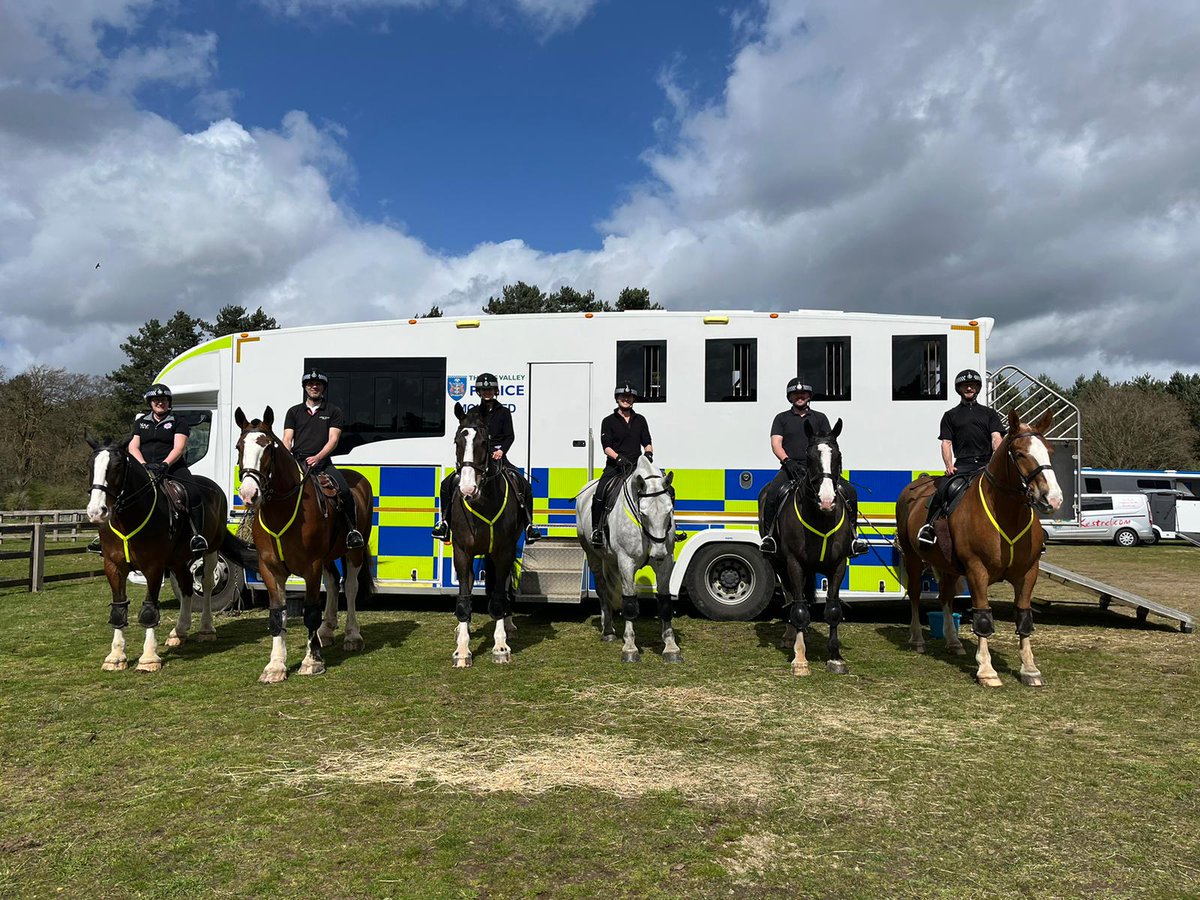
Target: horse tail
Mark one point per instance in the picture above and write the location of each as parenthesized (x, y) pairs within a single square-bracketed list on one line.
[(235, 549)]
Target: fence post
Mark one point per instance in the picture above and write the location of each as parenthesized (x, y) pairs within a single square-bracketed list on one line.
[(37, 556)]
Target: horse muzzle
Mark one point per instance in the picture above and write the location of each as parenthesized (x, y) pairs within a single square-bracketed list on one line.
[(249, 493), (98, 515)]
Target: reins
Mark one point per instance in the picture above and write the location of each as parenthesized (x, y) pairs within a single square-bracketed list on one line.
[(121, 501), (266, 489), (634, 512), (813, 482)]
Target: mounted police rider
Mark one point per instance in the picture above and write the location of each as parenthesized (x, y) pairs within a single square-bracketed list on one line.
[(311, 431), (970, 433), (624, 436), (789, 443), (501, 437), (159, 443)]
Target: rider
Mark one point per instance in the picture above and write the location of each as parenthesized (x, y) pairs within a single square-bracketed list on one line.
[(789, 443), (970, 433), (624, 435), (159, 443), (311, 431), (501, 435)]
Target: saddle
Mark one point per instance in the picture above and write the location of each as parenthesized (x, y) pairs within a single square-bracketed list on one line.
[(949, 490), (612, 492), (328, 495), (177, 494)]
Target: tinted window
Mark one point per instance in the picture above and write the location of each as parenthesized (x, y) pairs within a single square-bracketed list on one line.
[(731, 370), (1151, 483), (643, 364), (1092, 484), (200, 422), (824, 362), (386, 398), (1095, 504), (919, 367)]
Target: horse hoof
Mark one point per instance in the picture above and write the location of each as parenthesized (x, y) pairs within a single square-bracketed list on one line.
[(960, 650), (991, 681), (608, 638), (917, 648), (1032, 680), (325, 636), (205, 636), (173, 641), (353, 645), (149, 666), (837, 667), (116, 665), (273, 676), (631, 656), (673, 656), (800, 671), (462, 662), (316, 667), (499, 657)]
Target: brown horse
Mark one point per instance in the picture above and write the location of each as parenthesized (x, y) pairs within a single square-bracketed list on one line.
[(296, 533), (995, 535), (140, 530)]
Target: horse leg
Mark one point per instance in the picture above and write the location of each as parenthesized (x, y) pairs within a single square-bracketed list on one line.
[(913, 567), (946, 588), (354, 639), (465, 568), (276, 669), (183, 587), (833, 618), (608, 631), (329, 620), (208, 578), (497, 588), (118, 618), (629, 609), (801, 615), (662, 584), (148, 618), (982, 624), (313, 664), (1030, 675)]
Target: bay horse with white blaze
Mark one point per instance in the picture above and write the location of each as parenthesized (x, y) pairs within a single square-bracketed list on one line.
[(139, 529), (297, 532), (485, 520), (641, 531), (816, 534), (995, 536)]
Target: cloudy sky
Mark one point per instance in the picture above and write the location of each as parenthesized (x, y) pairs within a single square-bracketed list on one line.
[(357, 159)]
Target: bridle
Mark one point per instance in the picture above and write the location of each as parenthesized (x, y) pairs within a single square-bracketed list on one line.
[(814, 478), (121, 500), (487, 469), (1027, 478), (634, 510), (265, 481)]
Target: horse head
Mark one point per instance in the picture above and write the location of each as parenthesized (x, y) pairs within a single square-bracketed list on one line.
[(654, 498), (1029, 453), (254, 460), (109, 470), (471, 456), (824, 463)]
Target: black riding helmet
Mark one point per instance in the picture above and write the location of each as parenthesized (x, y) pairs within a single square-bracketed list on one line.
[(314, 375), (796, 385), (625, 388), (486, 381), (966, 376), (156, 391)]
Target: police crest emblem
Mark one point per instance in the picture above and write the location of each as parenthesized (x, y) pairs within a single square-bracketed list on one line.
[(456, 386)]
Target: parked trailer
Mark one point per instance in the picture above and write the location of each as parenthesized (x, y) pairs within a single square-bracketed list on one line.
[(710, 384), (1174, 496)]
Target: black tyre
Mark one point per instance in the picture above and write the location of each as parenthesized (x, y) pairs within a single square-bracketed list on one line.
[(228, 581), (730, 582), (1126, 537)]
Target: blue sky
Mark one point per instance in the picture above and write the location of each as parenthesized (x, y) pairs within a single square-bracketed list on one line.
[(338, 160)]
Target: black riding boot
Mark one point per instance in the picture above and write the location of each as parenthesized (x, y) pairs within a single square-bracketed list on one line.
[(926, 534), (354, 538), (598, 520), (768, 513), (858, 546), (196, 514), (441, 530), (531, 533)]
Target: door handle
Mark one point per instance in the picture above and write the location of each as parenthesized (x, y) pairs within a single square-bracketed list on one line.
[(578, 443)]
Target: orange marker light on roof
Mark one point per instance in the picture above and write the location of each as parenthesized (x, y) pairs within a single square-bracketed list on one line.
[(588, 315), (774, 315), (412, 321)]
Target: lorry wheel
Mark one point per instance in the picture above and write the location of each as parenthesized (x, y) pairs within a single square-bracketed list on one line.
[(730, 582)]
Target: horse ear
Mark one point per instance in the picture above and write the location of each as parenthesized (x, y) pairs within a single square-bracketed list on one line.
[(667, 480), (240, 418), (458, 411), (837, 429), (269, 417), (1014, 421), (1042, 425), (92, 442)]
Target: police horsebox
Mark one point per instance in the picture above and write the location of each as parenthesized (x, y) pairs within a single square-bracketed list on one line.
[(709, 384)]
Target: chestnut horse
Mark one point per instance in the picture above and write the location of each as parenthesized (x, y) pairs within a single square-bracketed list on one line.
[(298, 533), (485, 520), (996, 536), (137, 532)]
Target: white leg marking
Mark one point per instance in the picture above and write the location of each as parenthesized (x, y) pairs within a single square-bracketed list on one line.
[(116, 661), (462, 650), (985, 674), (276, 670), (354, 639), (916, 637), (1030, 674), (800, 660), (149, 661), (501, 652)]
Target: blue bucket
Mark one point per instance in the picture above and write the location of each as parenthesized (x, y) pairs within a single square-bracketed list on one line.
[(934, 618)]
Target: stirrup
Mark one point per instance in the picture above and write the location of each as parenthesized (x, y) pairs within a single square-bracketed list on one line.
[(354, 539), (94, 545), (768, 545), (927, 535), (859, 546), (198, 544), (441, 530), (532, 534), (597, 537)]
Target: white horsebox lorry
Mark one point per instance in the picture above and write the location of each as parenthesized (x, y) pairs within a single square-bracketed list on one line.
[(710, 384)]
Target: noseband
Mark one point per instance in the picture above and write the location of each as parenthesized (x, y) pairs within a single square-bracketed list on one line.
[(633, 506)]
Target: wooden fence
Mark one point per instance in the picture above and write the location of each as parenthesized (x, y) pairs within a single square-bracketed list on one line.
[(74, 517), (35, 533)]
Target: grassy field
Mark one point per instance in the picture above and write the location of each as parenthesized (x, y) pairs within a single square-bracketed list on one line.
[(566, 774)]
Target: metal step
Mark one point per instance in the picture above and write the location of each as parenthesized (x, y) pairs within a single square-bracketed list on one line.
[(1108, 594), (552, 569)]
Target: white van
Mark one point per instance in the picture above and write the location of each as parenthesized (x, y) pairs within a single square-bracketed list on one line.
[(1123, 519)]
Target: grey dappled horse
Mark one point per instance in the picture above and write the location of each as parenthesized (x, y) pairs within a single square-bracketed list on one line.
[(641, 531)]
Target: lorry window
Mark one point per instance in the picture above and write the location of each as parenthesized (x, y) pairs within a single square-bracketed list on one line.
[(918, 367), (643, 364), (824, 362), (731, 370), (385, 398)]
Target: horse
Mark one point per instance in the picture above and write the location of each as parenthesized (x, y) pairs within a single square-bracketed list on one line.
[(996, 536), (296, 532), (816, 531), (140, 530), (641, 529), (485, 520)]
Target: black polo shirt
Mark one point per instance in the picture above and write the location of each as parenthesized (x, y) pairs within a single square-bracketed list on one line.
[(626, 438), (157, 438), (969, 428), (310, 429), (790, 425), (499, 425)]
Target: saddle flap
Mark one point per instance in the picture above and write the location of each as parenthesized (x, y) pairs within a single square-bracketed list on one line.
[(944, 548), (177, 494), (327, 485)]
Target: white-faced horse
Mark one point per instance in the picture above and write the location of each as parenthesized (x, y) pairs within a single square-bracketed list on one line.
[(641, 531)]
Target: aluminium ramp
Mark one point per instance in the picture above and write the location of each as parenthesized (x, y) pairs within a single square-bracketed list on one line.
[(1193, 539), (1109, 594)]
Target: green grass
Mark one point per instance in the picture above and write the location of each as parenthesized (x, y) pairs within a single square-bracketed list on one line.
[(568, 774)]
